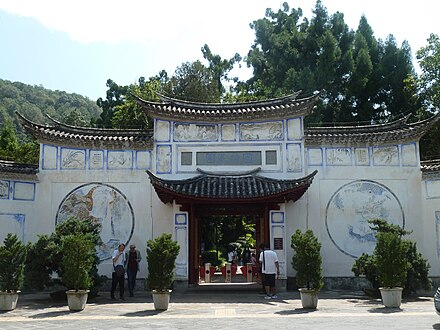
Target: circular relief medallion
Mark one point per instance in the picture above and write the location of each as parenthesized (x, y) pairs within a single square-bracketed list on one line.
[(349, 210), (105, 205)]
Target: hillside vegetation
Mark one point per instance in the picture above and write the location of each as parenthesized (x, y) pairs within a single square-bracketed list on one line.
[(34, 102)]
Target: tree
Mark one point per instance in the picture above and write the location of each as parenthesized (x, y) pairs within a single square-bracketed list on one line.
[(219, 67), (115, 96), (360, 78), (12, 258), (8, 142), (129, 114), (195, 82), (425, 91)]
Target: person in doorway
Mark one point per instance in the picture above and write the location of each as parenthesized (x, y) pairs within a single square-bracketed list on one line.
[(269, 268), (132, 259), (232, 256), (118, 274)]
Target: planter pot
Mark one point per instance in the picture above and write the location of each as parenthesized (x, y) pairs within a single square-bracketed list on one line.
[(309, 298), (8, 300), (77, 299), (161, 299), (391, 297)]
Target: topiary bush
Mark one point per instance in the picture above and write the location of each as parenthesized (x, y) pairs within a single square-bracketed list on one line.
[(161, 258), (307, 260), (417, 267), (78, 252), (12, 259)]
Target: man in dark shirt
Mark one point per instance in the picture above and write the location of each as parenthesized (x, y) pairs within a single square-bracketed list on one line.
[(132, 259)]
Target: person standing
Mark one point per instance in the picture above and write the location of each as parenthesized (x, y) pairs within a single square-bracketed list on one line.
[(132, 259), (118, 271), (269, 268)]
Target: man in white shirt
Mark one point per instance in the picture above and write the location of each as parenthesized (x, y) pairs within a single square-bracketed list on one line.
[(118, 259), (270, 268)]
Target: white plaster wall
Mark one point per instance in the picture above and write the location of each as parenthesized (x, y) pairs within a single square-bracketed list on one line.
[(403, 182), (430, 225)]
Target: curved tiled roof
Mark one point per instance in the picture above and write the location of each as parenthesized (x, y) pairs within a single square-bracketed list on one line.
[(430, 168), (230, 188), (93, 138), (12, 170), (278, 108), (394, 132)]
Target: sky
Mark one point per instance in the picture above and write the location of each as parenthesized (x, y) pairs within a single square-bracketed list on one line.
[(76, 45)]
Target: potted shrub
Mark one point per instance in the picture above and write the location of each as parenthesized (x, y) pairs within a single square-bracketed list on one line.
[(392, 266), (78, 254), (12, 259), (417, 267), (307, 262), (161, 258)]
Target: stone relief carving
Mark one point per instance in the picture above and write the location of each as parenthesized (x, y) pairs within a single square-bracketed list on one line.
[(338, 156), (195, 132), (163, 159), (119, 159), (73, 159), (386, 156), (261, 131)]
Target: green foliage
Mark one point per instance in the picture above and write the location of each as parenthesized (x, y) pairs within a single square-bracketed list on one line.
[(47, 254), (213, 257), (395, 260), (12, 259), (366, 265), (78, 252), (37, 267), (161, 258), (360, 78), (392, 265), (69, 227), (307, 260), (34, 102)]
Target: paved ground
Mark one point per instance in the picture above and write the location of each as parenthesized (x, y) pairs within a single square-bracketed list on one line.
[(222, 309)]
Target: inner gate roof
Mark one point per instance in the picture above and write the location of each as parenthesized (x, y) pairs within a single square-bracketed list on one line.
[(231, 188)]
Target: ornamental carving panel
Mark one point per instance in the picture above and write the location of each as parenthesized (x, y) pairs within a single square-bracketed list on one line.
[(386, 156), (338, 156), (73, 159), (195, 132), (268, 131)]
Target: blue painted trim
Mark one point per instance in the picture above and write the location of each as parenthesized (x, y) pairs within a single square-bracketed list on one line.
[(89, 159), (43, 166), (185, 223), (20, 218), (148, 165), (415, 153), (277, 222), (24, 199), (156, 121), (235, 133), (308, 157), (301, 135), (300, 158)]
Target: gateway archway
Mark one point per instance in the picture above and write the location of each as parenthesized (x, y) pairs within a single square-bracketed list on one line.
[(231, 194)]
